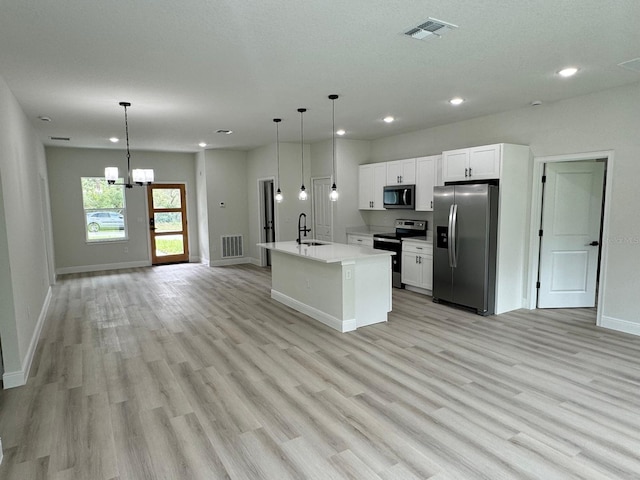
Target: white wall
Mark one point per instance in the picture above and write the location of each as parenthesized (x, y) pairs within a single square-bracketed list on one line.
[(225, 174), (607, 120), (202, 207), (66, 167), (262, 163), (24, 273)]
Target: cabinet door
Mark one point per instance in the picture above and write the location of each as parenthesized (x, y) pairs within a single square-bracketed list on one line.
[(484, 162), (379, 181), (426, 169), (365, 187), (394, 172), (426, 272), (410, 269), (455, 165), (401, 172)]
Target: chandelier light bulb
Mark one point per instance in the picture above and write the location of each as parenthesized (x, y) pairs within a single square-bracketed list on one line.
[(279, 196)]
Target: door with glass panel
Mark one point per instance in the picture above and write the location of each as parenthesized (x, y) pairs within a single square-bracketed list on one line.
[(168, 223)]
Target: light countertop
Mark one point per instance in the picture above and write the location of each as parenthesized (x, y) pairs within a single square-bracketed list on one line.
[(368, 230), (328, 252)]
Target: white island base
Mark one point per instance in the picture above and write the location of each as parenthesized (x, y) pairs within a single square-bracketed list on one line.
[(342, 286)]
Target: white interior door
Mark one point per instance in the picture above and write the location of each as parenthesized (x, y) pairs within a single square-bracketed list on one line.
[(322, 219), (569, 249)]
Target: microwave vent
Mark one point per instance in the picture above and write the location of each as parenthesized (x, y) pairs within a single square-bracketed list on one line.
[(432, 28)]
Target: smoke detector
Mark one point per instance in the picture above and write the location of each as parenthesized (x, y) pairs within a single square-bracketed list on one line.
[(432, 28)]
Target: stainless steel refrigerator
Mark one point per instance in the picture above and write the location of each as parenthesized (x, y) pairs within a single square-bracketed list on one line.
[(465, 221)]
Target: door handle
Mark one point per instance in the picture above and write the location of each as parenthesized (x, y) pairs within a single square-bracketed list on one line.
[(152, 224), (466, 172), (595, 243), (469, 171)]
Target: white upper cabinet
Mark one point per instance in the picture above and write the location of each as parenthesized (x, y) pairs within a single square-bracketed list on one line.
[(372, 179), (401, 172), (476, 163), (426, 179)]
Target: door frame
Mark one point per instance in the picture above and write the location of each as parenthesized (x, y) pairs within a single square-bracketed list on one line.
[(259, 183), (536, 213), (186, 209), (313, 210)]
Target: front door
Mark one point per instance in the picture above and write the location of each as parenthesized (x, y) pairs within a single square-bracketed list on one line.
[(569, 248), (322, 214), (168, 223)]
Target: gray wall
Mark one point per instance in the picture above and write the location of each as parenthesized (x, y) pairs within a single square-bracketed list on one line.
[(225, 179), (66, 167), (24, 266)]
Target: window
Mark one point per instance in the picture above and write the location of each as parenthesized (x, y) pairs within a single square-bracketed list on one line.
[(104, 210)]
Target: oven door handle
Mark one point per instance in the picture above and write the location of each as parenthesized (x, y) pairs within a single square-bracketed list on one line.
[(386, 240)]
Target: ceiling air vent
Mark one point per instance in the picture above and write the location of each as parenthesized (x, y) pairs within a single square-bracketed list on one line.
[(432, 28), (633, 65), (62, 139)]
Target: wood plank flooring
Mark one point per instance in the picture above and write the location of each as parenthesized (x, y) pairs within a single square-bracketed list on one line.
[(190, 372)]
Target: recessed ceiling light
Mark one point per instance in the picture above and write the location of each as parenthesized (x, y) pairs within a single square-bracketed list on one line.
[(202, 144), (456, 101), (568, 72), (114, 139), (224, 131), (340, 132), (388, 119)]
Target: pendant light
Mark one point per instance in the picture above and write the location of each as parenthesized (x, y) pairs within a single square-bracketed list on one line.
[(303, 194), (333, 196), (140, 176), (279, 196)]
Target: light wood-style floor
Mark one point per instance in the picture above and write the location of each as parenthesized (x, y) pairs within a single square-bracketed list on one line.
[(190, 372)]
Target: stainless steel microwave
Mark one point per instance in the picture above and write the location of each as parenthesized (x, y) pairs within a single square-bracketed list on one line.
[(400, 196)]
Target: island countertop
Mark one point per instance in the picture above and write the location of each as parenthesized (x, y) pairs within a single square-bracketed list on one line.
[(328, 252)]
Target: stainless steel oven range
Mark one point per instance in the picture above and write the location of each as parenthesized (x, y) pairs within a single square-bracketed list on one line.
[(393, 242)]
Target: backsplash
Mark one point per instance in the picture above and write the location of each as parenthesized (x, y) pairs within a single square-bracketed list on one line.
[(387, 218)]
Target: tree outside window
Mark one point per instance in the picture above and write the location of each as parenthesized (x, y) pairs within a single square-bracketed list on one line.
[(104, 210)]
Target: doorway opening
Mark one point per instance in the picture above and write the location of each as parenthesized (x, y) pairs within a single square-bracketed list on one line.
[(168, 223), (322, 211), (570, 217), (267, 223)]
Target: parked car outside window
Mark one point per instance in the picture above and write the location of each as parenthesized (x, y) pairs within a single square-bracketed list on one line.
[(97, 221)]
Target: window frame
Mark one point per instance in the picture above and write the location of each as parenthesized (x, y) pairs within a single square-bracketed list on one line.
[(124, 236)]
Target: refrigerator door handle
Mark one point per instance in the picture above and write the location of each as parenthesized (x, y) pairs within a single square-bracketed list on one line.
[(449, 241), (453, 236)]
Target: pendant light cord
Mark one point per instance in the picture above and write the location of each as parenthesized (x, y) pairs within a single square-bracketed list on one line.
[(302, 110), (126, 131), (277, 122), (333, 136)]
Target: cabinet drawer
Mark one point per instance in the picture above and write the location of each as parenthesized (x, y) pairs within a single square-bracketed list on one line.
[(362, 240), (425, 249)]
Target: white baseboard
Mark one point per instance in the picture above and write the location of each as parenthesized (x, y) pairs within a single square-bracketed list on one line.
[(1, 454), (620, 325), (230, 261), (19, 378), (329, 320), (99, 268)]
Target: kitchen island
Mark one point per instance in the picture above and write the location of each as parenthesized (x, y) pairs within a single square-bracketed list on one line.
[(342, 286)]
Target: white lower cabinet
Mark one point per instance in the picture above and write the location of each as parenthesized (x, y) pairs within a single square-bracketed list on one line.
[(417, 264), (361, 240)]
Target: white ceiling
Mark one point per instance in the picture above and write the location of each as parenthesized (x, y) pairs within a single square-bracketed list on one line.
[(190, 68)]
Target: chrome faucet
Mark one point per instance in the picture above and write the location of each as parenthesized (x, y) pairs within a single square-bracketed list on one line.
[(303, 229)]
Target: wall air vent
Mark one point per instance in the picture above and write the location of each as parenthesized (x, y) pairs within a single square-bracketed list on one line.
[(62, 139), (633, 65), (432, 28), (232, 246)]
